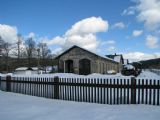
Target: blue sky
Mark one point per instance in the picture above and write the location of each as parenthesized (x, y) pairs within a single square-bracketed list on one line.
[(48, 19)]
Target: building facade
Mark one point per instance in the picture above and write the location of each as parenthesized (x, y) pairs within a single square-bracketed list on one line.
[(80, 61), (118, 58)]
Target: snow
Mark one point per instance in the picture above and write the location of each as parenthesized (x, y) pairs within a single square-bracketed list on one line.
[(117, 58), (22, 68), (3, 75), (143, 75), (25, 68), (35, 68), (148, 75), (129, 67), (22, 107), (71, 75), (111, 72)]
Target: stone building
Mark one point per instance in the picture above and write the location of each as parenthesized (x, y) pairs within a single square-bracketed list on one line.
[(80, 61), (118, 58)]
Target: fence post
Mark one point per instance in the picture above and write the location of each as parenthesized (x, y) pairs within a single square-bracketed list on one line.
[(56, 87), (133, 90), (8, 83)]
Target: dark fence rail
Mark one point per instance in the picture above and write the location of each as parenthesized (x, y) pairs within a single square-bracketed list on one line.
[(100, 90)]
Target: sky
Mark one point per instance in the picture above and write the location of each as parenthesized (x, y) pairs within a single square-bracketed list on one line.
[(128, 27)]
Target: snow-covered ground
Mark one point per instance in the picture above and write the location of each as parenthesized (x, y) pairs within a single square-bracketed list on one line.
[(148, 74), (143, 75), (22, 107)]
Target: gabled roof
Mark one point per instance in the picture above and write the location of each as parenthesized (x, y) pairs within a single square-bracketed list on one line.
[(116, 57), (75, 46)]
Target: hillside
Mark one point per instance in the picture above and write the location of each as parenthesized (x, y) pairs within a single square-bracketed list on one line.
[(152, 64), (13, 63)]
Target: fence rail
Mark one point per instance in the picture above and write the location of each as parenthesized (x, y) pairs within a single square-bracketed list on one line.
[(101, 90)]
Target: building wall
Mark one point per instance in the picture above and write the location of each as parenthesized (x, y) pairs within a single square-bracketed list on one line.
[(105, 65), (120, 66), (98, 64)]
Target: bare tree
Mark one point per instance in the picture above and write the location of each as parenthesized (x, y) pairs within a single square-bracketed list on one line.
[(1, 55), (30, 49), (18, 49), (5, 49), (1, 46), (45, 53), (5, 53), (19, 42)]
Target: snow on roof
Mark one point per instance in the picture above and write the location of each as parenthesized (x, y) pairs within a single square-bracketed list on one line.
[(117, 58), (21, 68), (25, 68), (106, 57), (35, 68), (129, 67)]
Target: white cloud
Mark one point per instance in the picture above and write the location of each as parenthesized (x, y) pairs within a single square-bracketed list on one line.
[(88, 41), (148, 12), (57, 51), (82, 33), (129, 11), (137, 33), (109, 45), (119, 25), (152, 41), (111, 49), (55, 41), (31, 35), (87, 26), (137, 56), (108, 42), (111, 42), (8, 33)]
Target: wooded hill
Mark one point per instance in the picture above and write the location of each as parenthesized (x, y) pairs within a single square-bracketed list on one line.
[(14, 63), (151, 64)]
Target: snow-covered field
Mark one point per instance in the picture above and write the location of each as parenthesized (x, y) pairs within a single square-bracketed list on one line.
[(148, 74), (144, 75), (22, 107)]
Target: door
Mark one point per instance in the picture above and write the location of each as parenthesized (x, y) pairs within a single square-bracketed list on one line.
[(84, 67)]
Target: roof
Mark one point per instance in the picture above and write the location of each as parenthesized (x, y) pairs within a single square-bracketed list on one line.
[(75, 46), (116, 57), (26, 68), (21, 68)]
